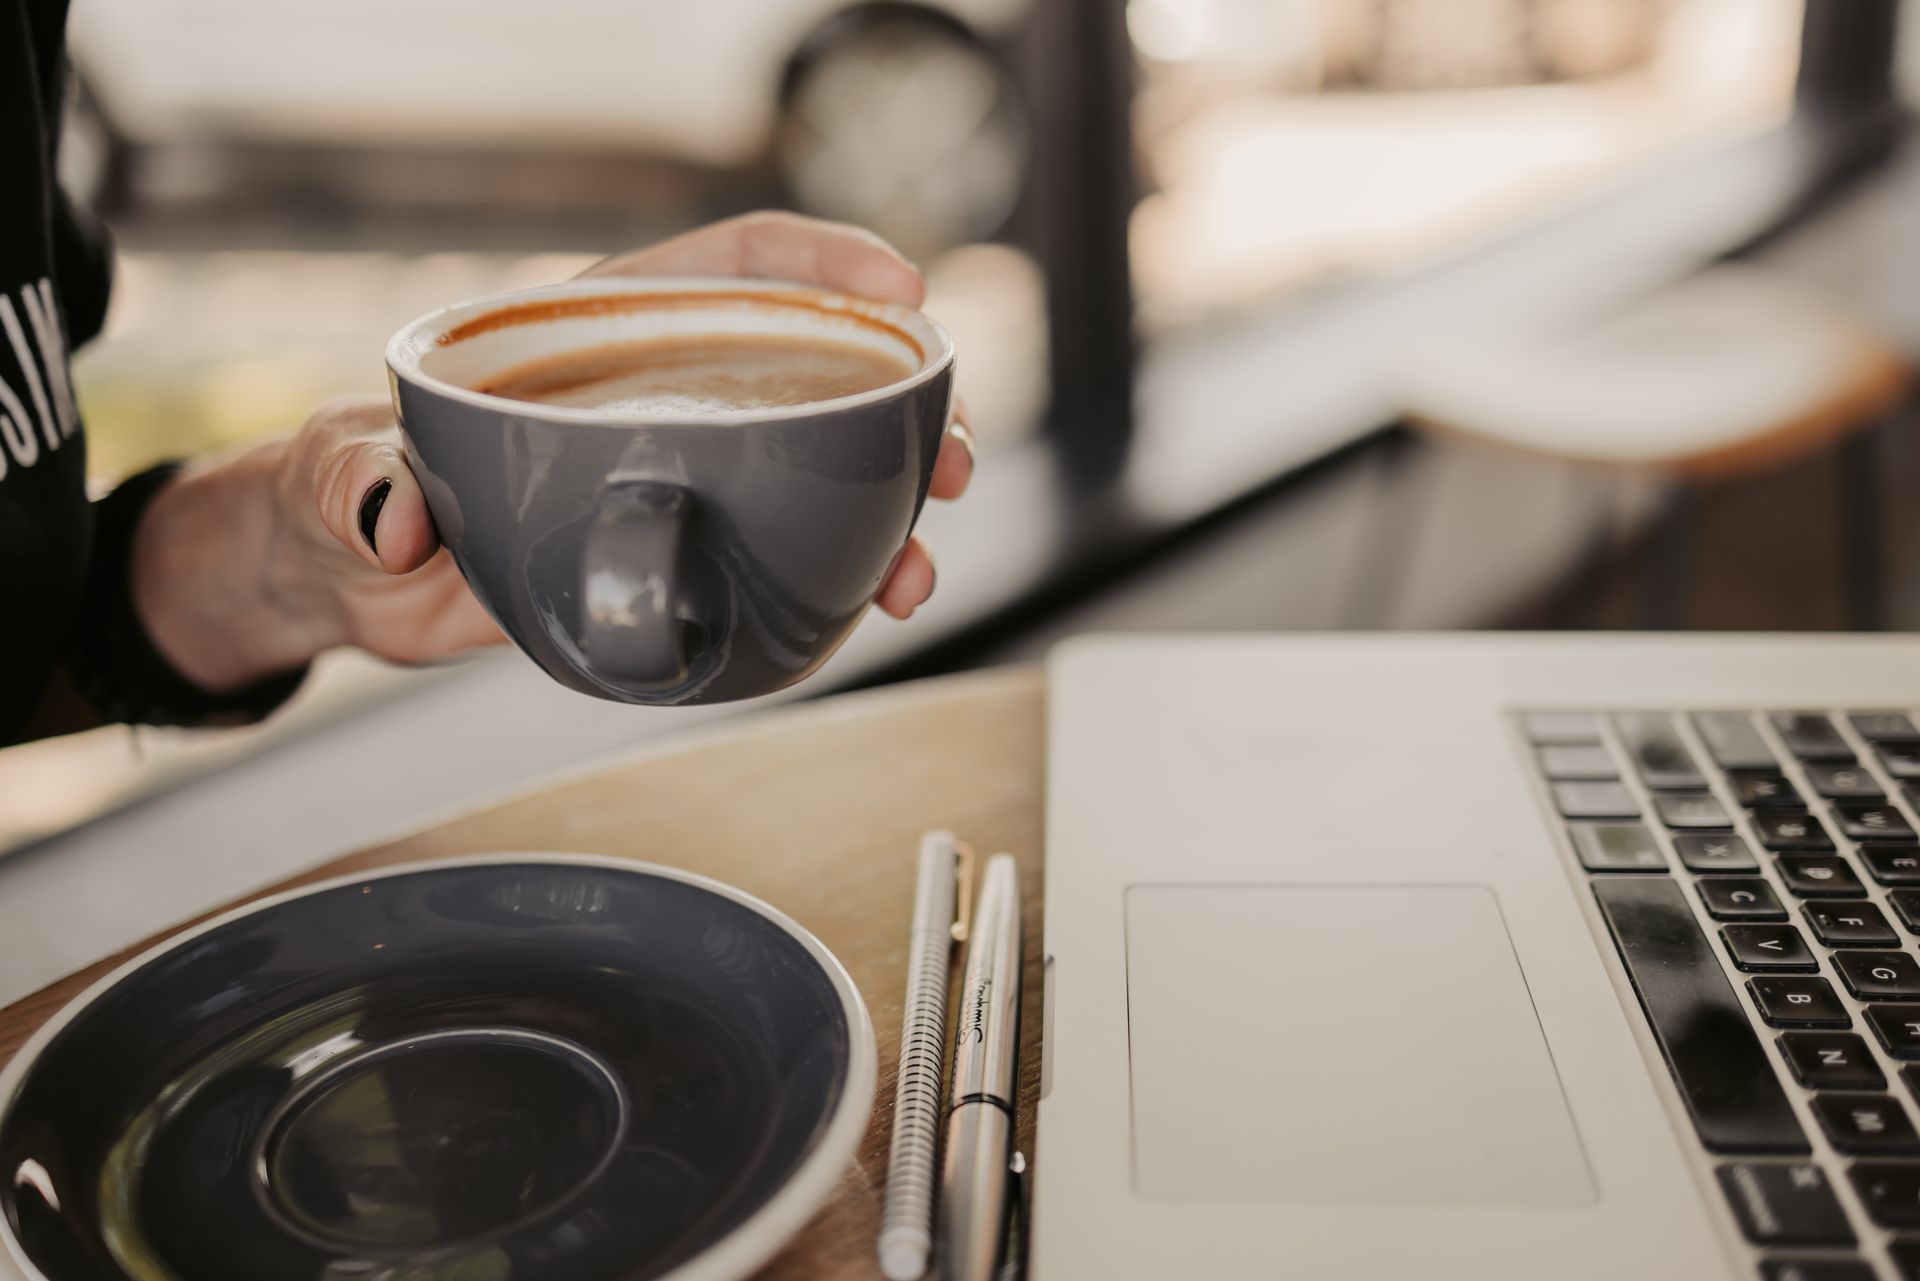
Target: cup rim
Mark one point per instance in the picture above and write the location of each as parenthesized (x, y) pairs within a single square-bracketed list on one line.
[(405, 347), (753, 1241)]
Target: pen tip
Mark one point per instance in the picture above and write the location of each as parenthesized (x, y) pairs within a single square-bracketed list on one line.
[(903, 1260)]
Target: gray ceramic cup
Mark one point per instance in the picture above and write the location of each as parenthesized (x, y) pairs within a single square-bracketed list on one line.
[(660, 560)]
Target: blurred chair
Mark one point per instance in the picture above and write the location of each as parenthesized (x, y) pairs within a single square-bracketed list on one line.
[(1725, 374)]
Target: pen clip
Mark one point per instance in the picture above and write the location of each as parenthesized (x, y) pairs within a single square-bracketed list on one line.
[(963, 890), (1013, 1240)]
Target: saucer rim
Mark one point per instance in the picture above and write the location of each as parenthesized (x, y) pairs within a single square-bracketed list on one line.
[(754, 1241)]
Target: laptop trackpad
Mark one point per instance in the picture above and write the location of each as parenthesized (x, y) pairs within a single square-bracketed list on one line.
[(1339, 1044)]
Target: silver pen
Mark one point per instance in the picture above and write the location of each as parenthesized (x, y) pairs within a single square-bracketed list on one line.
[(906, 1218), (975, 1182)]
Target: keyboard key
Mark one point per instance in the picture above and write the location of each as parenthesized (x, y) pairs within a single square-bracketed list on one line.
[(1815, 1270), (1692, 810), (1890, 1190), (1831, 1061), (1877, 976), (1892, 864), (1798, 1000), (1617, 847), (1731, 1092), (1733, 741), (1722, 852), (1653, 741), (1898, 1027), (1730, 898), (1561, 727), (1766, 792), (1788, 831), (1906, 905), (1838, 781), (1784, 1203), (1869, 1124), (1906, 1258), (1811, 737), (1819, 876), (1901, 762), (1885, 727), (1767, 947), (1873, 822), (1595, 800), (1849, 925), (1581, 761)]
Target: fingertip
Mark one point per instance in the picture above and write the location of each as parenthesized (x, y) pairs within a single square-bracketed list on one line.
[(396, 533), (861, 263), (884, 276), (953, 468), (911, 582), (409, 537), (906, 285)]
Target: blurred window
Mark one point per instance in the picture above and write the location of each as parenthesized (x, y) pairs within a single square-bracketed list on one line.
[(286, 192), (1289, 145), (282, 204), (1907, 64)]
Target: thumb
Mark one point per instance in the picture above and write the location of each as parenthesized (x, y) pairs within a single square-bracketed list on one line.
[(371, 504)]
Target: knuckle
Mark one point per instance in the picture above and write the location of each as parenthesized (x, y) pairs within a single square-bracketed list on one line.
[(331, 480), (340, 422), (352, 405), (761, 220)]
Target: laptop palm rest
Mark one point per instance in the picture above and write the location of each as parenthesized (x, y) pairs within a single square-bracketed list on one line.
[(1339, 1044)]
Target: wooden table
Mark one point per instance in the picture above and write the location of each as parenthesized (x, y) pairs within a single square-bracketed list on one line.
[(816, 808)]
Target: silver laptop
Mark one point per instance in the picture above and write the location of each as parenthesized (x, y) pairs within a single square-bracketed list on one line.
[(1481, 957)]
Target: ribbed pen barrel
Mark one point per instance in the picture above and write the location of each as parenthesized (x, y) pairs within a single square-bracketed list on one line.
[(906, 1235)]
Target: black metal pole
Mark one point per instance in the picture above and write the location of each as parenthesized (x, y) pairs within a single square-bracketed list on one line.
[(1079, 72), (1847, 54)]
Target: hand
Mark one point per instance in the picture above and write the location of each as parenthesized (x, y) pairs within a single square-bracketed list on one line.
[(352, 510), (254, 564), (779, 246)]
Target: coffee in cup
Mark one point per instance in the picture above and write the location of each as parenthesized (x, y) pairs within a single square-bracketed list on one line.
[(674, 491), (699, 374)]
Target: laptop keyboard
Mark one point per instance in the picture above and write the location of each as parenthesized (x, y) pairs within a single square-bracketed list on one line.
[(1760, 875)]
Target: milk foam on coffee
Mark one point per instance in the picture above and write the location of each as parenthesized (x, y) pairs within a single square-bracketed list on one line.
[(687, 376)]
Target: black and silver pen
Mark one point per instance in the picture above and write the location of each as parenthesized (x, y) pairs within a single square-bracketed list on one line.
[(974, 1186)]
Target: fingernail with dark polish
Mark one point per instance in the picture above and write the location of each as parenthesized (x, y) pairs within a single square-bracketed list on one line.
[(370, 504)]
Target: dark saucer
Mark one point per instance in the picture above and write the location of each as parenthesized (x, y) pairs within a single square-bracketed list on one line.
[(525, 1067)]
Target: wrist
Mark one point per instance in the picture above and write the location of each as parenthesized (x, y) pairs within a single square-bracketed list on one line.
[(226, 590)]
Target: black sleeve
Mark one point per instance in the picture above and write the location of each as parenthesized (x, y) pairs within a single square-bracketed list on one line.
[(110, 658), (83, 269), (68, 625)]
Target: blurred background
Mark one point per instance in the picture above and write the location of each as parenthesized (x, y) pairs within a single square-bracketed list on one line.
[(288, 189), (1272, 314)]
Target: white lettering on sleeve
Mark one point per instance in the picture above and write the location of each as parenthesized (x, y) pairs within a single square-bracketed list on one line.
[(38, 298), (17, 428), (10, 320)]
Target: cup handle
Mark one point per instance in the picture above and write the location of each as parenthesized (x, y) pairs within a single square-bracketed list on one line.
[(630, 583)]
